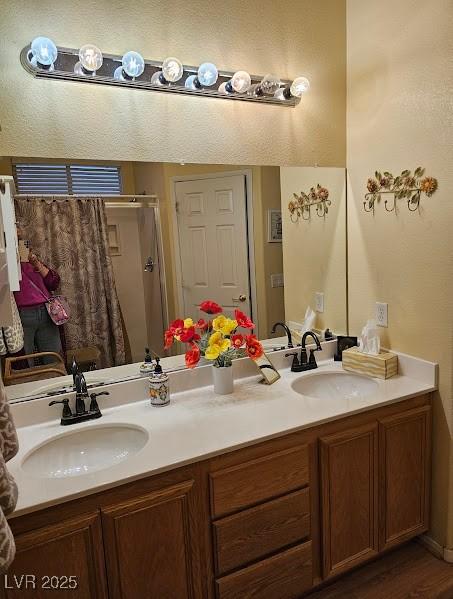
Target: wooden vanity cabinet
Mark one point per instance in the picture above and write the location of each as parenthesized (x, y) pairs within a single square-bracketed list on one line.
[(374, 487), (272, 520), (58, 560)]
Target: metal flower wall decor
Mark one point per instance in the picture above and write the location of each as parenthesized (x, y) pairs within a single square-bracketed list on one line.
[(300, 207), (406, 186)]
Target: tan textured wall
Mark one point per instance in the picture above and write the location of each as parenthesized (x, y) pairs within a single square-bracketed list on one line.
[(68, 119), (399, 115), (314, 251)]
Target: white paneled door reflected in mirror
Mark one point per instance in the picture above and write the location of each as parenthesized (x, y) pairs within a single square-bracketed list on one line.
[(133, 247)]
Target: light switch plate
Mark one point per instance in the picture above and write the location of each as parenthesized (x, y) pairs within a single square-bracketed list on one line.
[(277, 280), (382, 314), (319, 302)]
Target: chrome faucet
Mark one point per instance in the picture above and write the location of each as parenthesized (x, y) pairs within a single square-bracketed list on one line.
[(288, 332), (303, 364)]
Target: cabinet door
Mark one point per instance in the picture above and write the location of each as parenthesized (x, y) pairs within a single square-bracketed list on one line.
[(59, 560), (404, 456), (151, 545), (349, 496)]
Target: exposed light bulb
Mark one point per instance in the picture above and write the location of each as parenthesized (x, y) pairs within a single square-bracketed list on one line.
[(91, 58), (172, 69), (133, 64), (156, 78), (207, 74), (191, 82), (270, 84), (255, 90), (241, 81), (43, 52), (299, 86), (280, 94), (118, 74), (223, 89), (78, 69)]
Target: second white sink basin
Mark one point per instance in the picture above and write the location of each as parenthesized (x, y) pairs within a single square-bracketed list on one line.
[(85, 451), (335, 385)]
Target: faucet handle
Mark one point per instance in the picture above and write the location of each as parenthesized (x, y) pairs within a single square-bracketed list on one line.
[(93, 403), (295, 363), (66, 409)]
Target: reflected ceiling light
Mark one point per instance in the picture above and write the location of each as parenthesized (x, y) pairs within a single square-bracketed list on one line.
[(90, 58), (223, 88), (43, 53), (172, 70), (156, 78)]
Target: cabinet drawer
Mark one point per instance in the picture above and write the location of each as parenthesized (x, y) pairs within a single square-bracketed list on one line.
[(283, 576), (256, 481), (261, 530)]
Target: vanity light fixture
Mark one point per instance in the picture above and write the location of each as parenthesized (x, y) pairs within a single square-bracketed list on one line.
[(43, 59)]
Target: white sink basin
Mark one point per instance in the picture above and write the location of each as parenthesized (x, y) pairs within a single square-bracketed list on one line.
[(335, 385), (83, 452)]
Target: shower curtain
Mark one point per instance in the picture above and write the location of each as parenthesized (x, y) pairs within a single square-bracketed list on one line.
[(70, 236)]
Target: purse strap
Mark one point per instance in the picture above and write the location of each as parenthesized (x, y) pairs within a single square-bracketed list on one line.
[(47, 298)]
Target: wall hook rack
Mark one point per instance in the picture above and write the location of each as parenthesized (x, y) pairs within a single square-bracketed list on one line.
[(43, 59), (406, 186), (301, 205)]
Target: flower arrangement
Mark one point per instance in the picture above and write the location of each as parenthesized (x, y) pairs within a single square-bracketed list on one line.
[(218, 339)]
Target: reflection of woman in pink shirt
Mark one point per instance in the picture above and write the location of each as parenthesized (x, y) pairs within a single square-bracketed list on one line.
[(40, 332)]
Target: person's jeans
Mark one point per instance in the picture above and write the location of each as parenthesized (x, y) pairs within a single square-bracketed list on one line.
[(40, 332)]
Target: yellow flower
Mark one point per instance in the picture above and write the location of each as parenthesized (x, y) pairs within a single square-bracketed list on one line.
[(216, 345), (188, 322), (225, 325)]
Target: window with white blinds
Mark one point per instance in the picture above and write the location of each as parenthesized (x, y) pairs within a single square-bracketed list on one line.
[(62, 179)]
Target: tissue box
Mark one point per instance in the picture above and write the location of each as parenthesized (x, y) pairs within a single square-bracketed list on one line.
[(383, 366)]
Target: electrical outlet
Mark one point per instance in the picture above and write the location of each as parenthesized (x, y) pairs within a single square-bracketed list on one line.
[(319, 302), (382, 314), (277, 280)]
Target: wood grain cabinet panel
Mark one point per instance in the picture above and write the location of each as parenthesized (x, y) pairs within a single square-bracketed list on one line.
[(349, 491), (258, 480), (283, 576), (259, 531), (150, 545), (51, 554), (404, 448)]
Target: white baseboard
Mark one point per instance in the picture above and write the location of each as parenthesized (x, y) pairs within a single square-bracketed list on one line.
[(436, 548)]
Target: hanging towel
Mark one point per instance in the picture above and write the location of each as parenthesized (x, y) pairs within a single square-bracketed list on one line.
[(8, 488), (12, 338)]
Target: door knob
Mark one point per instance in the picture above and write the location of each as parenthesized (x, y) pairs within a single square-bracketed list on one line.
[(241, 298)]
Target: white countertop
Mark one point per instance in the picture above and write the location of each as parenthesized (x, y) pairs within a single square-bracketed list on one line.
[(199, 424)]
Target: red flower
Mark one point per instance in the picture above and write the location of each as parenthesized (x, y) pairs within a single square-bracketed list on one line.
[(189, 335), (202, 324), (168, 338), (177, 327), (243, 320), (237, 341), (192, 356), (253, 347), (210, 307)]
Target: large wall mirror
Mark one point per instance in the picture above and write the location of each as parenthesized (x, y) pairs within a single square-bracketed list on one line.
[(133, 246)]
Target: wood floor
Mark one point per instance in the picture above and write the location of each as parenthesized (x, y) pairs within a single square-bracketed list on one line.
[(408, 573)]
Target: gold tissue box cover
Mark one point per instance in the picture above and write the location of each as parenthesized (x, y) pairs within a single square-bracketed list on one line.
[(383, 366)]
